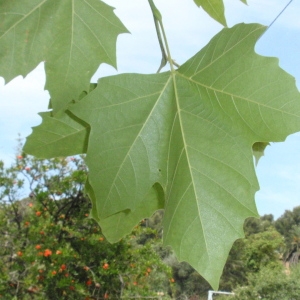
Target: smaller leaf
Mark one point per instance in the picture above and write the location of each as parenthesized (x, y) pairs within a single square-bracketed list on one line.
[(215, 8), (258, 150)]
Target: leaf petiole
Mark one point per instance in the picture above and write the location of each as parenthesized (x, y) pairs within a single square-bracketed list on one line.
[(166, 56)]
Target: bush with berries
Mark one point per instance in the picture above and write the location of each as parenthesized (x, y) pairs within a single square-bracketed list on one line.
[(52, 249)]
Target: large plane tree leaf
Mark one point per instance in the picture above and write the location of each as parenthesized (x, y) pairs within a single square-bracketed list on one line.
[(215, 8), (73, 37), (191, 131)]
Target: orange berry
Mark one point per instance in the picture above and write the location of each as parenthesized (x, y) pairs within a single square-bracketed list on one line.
[(58, 252), (105, 266), (63, 267), (38, 213), (89, 282), (47, 252), (38, 247), (19, 253), (53, 272)]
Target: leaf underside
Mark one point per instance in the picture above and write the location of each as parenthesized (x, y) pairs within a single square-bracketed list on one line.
[(72, 37), (183, 141), (59, 135), (215, 8)]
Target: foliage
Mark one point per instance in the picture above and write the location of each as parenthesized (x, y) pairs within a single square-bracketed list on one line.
[(261, 273), (263, 249), (289, 226), (270, 284), (180, 140), (52, 249), (255, 225), (286, 222)]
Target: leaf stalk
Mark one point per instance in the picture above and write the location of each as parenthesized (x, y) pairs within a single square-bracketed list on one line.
[(162, 38)]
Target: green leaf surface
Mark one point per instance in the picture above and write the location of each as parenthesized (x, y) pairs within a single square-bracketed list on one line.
[(215, 8), (59, 135), (124, 221), (73, 37), (190, 131)]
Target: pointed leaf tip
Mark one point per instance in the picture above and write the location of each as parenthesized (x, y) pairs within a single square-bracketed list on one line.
[(215, 8)]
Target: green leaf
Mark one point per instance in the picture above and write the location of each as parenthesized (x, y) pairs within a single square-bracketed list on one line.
[(61, 135), (215, 8), (124, 221), (191, 131), (72, 37)]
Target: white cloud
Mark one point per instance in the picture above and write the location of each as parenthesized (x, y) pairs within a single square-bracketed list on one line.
[(20, 101)]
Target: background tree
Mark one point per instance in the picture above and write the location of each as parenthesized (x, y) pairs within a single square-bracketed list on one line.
[(52, 249), (269, 284)]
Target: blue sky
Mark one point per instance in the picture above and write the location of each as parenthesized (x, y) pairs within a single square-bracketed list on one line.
[(188, 29)]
